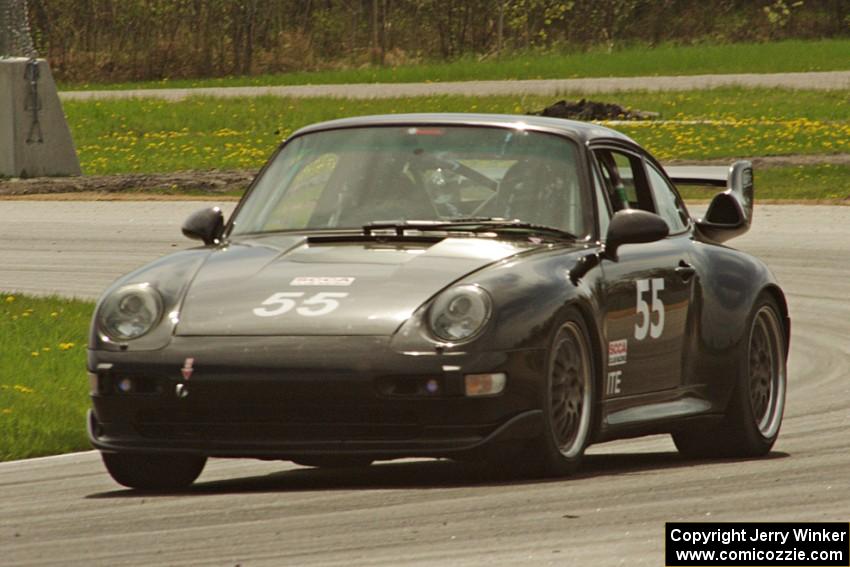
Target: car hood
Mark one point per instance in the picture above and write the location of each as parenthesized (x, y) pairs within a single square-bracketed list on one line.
[(289, 285)]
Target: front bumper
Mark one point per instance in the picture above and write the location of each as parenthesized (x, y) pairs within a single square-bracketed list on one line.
[(283, 397)]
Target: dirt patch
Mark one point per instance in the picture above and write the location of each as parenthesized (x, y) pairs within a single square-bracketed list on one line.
[(593, 110), (182, 183), (113, 196)]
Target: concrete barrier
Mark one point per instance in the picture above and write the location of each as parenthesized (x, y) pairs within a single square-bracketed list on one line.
[(34, 137)]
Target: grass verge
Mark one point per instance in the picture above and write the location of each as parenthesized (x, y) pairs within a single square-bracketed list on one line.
[(147, 136), (806, 183), (43, 384), (631, 61)]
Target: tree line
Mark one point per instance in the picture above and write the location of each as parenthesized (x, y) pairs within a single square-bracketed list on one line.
[(154, 39)]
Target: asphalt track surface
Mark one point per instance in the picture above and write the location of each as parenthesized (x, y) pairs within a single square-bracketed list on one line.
[(819, 80), (66, 511)]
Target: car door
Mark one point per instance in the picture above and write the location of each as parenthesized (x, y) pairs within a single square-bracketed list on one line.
[(648, 289)]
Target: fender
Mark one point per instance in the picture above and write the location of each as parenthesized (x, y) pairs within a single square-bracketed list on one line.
[(722, 312)]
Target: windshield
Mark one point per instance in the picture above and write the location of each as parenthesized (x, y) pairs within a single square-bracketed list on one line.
[(352, 177)]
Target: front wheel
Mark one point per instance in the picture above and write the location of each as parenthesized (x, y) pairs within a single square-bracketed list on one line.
[(568, 393), (752, 421), (153, 471)]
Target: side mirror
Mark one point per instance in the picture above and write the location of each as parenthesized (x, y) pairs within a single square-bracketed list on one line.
[(633, 226), (206, 225), (730, 213)]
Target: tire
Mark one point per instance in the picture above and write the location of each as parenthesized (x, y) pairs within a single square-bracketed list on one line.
[(333, 461), (567, 401), (754, 415), (153, 471)]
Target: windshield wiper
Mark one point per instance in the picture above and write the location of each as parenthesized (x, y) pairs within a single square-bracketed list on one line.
[(467, 224), (402, 228), (481, 224)]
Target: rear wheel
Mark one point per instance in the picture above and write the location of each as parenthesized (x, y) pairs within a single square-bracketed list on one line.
[(153, 472), (754, 416), (333, 461)]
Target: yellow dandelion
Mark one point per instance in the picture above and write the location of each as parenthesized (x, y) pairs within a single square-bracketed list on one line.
[(6, 411), (23, 389), (34, 353), (54, 314), (66, 346), (45, 349), (10, 298)]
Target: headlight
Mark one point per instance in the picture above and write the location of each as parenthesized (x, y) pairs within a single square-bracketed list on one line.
[(459, 313), (130, 312)]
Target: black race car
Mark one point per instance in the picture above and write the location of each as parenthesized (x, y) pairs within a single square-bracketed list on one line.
[(504, 288)]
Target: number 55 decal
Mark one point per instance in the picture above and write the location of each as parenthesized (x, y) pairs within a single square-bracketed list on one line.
[(316, 305), (647, 325)]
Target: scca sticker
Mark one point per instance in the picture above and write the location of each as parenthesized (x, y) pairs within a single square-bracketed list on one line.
[(618, 352), (329, 281)]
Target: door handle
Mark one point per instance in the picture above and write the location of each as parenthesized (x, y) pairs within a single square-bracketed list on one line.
[(685, 270)]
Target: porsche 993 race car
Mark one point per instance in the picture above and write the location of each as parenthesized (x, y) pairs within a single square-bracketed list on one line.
[(503, 288)]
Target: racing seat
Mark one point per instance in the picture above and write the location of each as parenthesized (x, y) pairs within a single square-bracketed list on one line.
[(385, 192), (531, 190)]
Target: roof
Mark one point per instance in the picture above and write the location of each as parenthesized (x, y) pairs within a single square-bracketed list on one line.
[(580, 131)]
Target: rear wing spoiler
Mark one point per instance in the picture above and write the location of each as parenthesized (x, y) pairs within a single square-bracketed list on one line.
[(730, 212)]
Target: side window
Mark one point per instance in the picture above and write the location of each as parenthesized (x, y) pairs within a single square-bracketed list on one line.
[(602, 208), (624, 179), (667, 202)]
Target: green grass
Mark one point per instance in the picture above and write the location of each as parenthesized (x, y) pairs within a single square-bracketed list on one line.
[(830, 182), (802, 183), (776, 57), (146, 135), (43, 383)]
